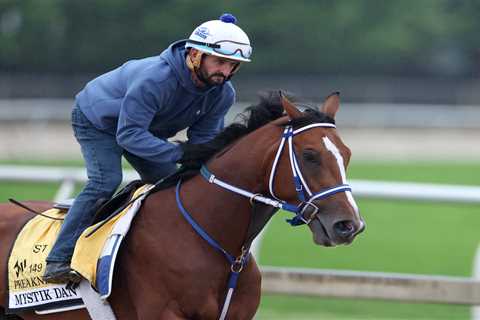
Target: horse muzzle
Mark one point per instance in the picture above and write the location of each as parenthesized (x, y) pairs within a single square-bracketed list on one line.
[(333, 226)]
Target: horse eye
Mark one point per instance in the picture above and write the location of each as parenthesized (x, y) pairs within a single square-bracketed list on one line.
[(311, 155)]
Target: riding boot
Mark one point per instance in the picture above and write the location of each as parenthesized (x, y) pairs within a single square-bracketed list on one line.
[(60, 272)]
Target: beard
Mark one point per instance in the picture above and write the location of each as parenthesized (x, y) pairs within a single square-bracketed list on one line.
[(213, 79)]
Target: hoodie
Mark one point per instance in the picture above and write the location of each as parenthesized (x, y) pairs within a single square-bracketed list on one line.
[(144, 102)]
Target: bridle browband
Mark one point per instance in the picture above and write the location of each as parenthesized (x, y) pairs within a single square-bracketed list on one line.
[(304, 193)]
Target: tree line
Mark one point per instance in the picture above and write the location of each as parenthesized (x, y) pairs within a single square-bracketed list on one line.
[(409, 37)]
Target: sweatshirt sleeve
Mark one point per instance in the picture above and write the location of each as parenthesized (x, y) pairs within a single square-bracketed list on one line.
[(141, 102), (212, 122)]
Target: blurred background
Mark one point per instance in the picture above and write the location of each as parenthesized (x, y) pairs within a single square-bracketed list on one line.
[(409, 76), (398, 64)]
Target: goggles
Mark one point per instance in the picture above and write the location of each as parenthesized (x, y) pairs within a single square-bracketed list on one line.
[(227, 47)]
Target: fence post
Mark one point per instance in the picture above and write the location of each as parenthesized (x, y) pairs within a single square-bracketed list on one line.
[(476, 276)]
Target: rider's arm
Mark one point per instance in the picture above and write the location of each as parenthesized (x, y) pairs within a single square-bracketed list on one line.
[(137, 112)]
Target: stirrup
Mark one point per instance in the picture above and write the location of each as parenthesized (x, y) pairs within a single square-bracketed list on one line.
[(71, 276)]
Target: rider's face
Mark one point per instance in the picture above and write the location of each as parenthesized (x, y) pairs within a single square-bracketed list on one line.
[(215, 70)]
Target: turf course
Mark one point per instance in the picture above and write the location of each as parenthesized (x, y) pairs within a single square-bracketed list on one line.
[(410, 237)]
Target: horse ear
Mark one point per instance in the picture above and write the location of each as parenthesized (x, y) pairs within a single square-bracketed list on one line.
[(331, 104), (289, 107)]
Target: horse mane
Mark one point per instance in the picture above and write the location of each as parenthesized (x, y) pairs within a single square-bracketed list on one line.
[(269, 108)]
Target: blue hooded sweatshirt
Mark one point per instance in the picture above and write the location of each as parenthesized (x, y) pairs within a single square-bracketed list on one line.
[(146, 101)]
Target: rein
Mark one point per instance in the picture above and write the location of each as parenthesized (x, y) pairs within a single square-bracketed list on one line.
[(304, 194), (236, 263), (33, 211)]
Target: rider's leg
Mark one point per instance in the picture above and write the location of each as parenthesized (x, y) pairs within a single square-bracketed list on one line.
[(102, 156)]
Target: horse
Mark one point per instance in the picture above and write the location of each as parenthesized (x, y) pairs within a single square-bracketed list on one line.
[(280, 157)]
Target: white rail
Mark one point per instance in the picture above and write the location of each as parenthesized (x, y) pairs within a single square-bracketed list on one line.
[(371, 285), (68, 177), (361, 188)]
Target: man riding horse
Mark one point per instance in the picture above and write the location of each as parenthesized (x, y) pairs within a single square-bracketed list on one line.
[(132, 111)]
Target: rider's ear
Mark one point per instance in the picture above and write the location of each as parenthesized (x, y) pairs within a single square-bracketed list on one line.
[(289, 107), (331, 104), (193, 52)]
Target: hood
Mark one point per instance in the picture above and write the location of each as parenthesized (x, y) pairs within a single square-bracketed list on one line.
[(174, 55)]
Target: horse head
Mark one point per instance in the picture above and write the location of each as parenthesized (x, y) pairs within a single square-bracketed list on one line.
[(308, 168), (295, 161)]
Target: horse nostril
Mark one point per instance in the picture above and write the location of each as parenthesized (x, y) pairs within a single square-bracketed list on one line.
[(344, 228)]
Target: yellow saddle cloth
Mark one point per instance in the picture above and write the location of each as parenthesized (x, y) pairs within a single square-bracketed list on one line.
[(26, 266), (93, 255)]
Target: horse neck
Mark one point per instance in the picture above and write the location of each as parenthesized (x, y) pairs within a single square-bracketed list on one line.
[(223, 214)]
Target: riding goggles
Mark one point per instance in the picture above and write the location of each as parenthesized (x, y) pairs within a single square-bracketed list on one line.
[(227, 47)]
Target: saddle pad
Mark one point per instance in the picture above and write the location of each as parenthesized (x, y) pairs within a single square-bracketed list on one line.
[(94, 256), (26, 266)]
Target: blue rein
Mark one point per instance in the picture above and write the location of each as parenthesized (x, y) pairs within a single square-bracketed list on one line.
[(231, 259), (236, 264)]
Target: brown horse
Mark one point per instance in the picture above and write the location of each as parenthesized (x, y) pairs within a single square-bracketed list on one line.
[(167, 271)]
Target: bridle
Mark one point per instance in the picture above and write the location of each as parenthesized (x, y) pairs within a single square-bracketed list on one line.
[(304, 193)]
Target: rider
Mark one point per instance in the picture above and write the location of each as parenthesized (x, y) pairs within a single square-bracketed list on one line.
[(132, 110)]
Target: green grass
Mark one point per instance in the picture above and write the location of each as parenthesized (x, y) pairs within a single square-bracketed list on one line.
[(438, 172), (301, 308), (406, 237), (401, 236), (27, 191)]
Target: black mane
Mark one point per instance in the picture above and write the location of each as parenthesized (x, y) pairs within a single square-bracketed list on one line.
[(268, 109)]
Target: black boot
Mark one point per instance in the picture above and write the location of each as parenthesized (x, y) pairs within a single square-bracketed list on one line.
[(60, 272)]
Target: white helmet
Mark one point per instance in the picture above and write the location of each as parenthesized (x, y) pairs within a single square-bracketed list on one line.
[(222, 38)]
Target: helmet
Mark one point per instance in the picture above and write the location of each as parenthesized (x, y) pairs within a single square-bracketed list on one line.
[(221, 38)]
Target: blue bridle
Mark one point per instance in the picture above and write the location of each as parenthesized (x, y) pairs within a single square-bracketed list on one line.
[(304, 193)]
